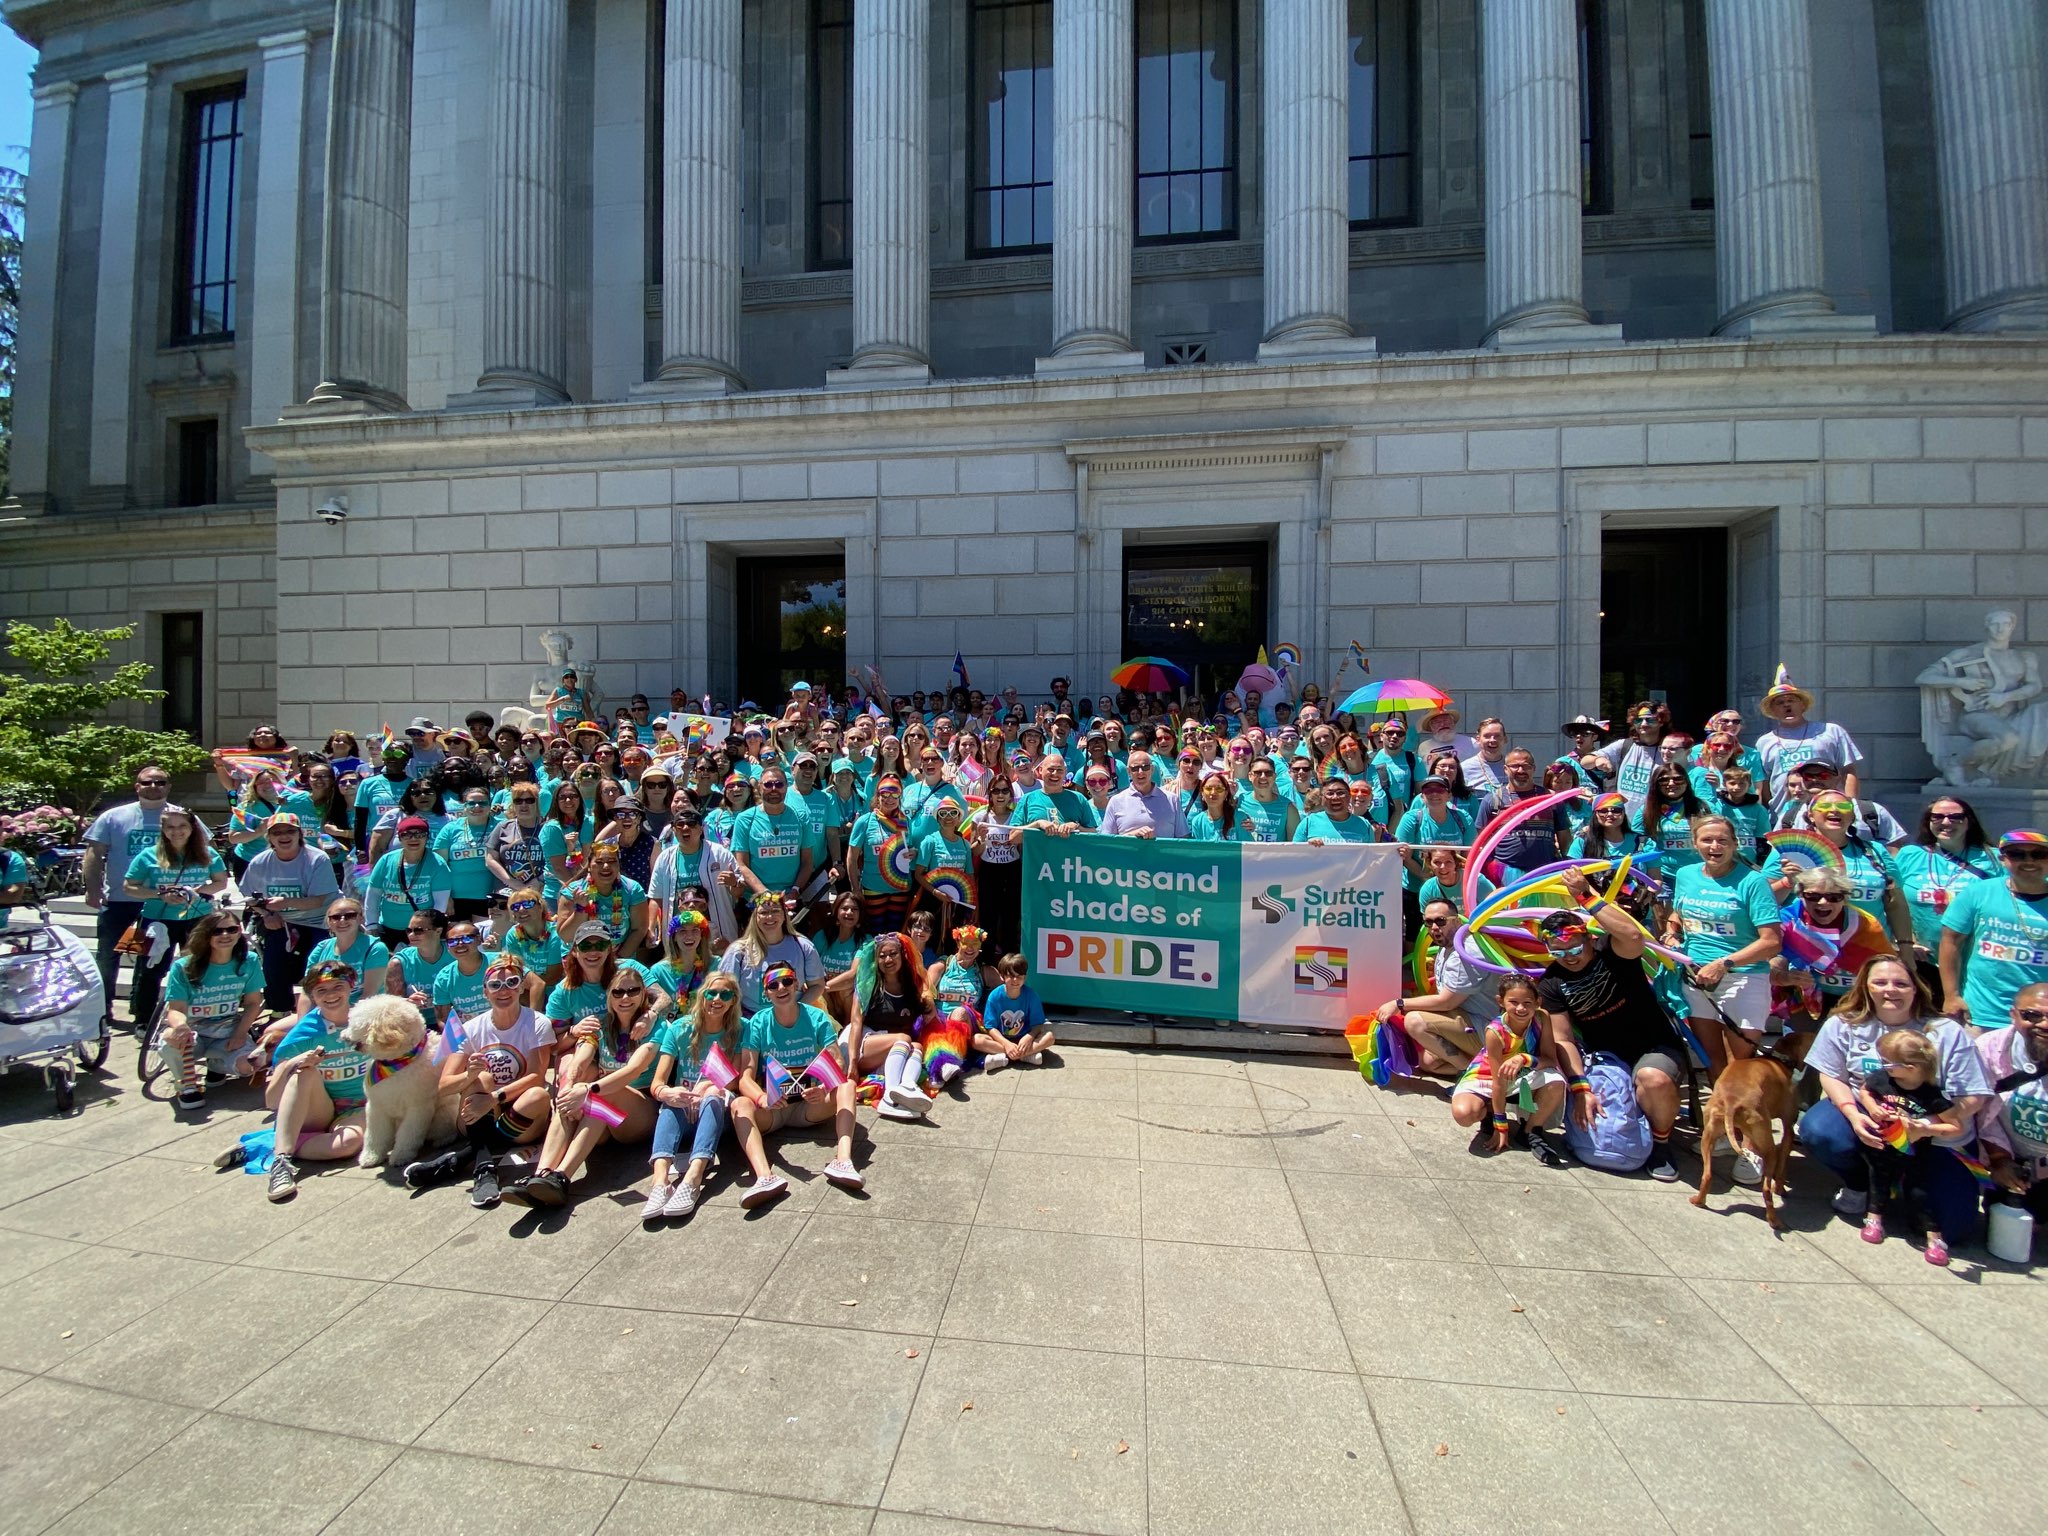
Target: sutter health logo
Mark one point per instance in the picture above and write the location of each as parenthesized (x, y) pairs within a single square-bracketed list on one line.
[(1272, 904), (1320, 969)]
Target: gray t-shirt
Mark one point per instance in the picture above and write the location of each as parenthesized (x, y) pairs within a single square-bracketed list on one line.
[(1480, 989), (307, 875), (1848, 1053), (123, 831)]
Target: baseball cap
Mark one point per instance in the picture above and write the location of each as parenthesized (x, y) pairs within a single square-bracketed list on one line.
[(412, 824), (2022, 837)]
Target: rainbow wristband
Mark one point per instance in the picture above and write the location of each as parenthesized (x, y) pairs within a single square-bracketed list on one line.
[(1578, 1085), (1500, 1122)]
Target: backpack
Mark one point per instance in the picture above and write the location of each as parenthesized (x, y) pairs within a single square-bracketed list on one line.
[(1619, 1140)]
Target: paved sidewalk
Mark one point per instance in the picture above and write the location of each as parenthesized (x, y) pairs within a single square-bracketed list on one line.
[(1133, 1293)]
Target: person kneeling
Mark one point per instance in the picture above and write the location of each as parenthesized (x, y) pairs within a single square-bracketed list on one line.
[(1517, 1060)]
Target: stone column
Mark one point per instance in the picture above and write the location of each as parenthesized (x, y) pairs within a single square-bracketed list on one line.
[(369, 202), (113, 335), (42, 259), (1767, 240), (1991, 128), (700, 216), (525, 342), (1535, 294), (619, 204), (891, 196), (273, 306), (1307, 81), (1093, 107)]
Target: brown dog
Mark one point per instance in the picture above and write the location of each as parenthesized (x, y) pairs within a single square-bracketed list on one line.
[(1751, 1093)]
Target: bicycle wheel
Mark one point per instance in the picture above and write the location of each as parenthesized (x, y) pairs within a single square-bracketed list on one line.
[(150, 1061)]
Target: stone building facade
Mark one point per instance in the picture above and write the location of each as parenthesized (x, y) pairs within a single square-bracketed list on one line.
[(1552, 351)]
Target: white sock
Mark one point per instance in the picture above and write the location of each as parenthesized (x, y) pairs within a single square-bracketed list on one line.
[(894, 1068)]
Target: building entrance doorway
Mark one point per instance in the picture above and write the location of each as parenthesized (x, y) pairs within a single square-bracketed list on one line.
[(1664, 623), (1201, 606), (791, 625)]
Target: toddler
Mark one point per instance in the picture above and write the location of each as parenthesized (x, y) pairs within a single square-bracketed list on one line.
[(1907, 1103)]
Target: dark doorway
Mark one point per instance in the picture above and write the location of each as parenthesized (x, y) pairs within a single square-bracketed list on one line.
[(182, 643), (1664, 623), (792, 625), (1201, 606)]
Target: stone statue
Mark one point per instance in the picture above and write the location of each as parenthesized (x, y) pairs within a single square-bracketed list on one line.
[(1984, 711), (556, 646)]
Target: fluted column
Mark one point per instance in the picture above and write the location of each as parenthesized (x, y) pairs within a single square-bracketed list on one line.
[(1767, 225), (1535, 293), (700, 216), (369, 204), (1307, 80), (273, 305), (42, 262), (1991, 129), (1093, 105), (113, 336), (526, 354), (891, 197)]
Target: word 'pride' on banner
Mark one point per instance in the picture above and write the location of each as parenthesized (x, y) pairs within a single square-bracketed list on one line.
[(1267, 933)]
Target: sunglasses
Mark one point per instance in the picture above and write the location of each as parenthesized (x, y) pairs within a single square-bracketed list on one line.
[(152, 783), (2031, 1015), (476, 805), (468, 943), (526, 799), (1946, 816), (1825, 898), (721, 997), (1435, 922), (500, 983), (780, 984), (403, 837), (592, 946), (224, 933), (627, 991), (2025, 855), (344, 917)]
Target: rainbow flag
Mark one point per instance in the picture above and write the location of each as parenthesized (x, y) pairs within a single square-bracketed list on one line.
[(717, 1067), (1977, 1167), (780, 1083), (387, 739), (826, 1069), (604, 1114), (244, 764)]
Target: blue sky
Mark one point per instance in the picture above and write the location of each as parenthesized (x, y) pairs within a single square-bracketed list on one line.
[(16, 60)]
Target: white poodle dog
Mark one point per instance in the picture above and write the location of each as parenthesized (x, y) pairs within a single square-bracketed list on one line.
[(406, 1107)]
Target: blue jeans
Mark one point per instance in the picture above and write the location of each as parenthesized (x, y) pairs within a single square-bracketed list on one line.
[(1950, 1189), (671, 1130)]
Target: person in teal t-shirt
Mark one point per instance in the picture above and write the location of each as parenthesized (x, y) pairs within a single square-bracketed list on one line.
[(1335, 822), (770, 841), (1995, 934), (459, 985), (793, 1033), (1725, 917), (317, 1084), (461, 844), (1053, 806), (349, 941), (1948, 852)]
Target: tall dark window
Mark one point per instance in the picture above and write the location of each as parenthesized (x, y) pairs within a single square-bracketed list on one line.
[(1699, 105), (1382, 111), (792, 621), (207, 225), (1011, 190), (1592, 108), (1187, 119), (831, 133), (197, 466), (181, 637)]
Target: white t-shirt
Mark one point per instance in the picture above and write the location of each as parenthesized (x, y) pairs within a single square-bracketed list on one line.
[(509, 1053)]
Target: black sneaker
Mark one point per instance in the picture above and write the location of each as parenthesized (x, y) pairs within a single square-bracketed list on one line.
[(516, 1193), (1548, 1152), (1660, 1166), (549, 1191), (429, 1171), (484, 1193), (284, 1180), (190, 1100)]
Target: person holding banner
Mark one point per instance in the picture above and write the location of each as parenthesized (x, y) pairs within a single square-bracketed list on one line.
[(1338, 821), (693, 1075), (1053, 806), (771, 1095), (613, 1060)]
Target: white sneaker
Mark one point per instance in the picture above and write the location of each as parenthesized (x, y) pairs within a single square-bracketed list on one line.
[(774, 1187), (1850, 1202), (681, 1199), (907, 1098), (841, 1172), (1036, 1058), (993, 1062), (1749, 1169), (656, 1205), (891, 1111)]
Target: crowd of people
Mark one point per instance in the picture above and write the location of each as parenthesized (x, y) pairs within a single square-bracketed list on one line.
[(636, 930)]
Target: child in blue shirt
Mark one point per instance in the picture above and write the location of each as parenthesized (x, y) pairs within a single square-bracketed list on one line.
[(1012, 1021)]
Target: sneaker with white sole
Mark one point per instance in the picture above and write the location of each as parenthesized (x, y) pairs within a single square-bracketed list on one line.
[(655, 1206), (681, 1199), (231, 1157), (284, 1180), (774, 1187), (1749, 1168), (1850, 1202), (841, 1172), (1660, 1167), (1036, 1059), (906, 1097), (889, 1111)]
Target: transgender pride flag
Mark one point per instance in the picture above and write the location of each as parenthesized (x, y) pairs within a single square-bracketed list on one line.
[(717, 1067), (780, 1083)]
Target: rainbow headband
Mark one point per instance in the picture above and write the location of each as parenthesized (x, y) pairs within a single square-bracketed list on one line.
[(1610, 802), (688, 917), (776, 972)]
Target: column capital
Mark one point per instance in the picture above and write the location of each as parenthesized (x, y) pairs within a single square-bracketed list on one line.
[(128, 77), (58, 93), (279, 45)]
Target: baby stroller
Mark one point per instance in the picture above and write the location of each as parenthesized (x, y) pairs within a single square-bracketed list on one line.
[(52, 1004)]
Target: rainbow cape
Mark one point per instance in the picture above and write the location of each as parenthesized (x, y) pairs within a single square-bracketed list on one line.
[(946, 1040), (1380, 1048)]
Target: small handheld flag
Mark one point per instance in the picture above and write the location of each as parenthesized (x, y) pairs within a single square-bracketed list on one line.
[(604, 1114), (826, 1069), (717, 1067), (780, 1083), (960, 670)]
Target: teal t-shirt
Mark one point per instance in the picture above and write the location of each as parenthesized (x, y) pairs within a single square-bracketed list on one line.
[(2005, 946), (1067, 805), (936, 852), (1673, 837), (539, 955), (679, 985), (1721, 915), (1267, 818), (774, 844), (344, 1070), (816, 811), (619, 909), (462, 845), (877, 842), (959, 986), (1352, 829), (370, 956), (393, 893), (420, 972), (796, 1047), (214, 1002), (678, 1038), (837, 955), (463, 995), (1433, 889), (1868, 869), (1203, 828), (567, 1004), (144, 869), (1752, 820), (1417, 828), (554, 844), (1932, 879), (377, 794), (14, 870)]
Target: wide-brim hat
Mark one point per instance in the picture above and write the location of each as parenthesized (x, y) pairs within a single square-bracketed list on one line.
[(1584, 723), (1782, 687), (1443, 712)]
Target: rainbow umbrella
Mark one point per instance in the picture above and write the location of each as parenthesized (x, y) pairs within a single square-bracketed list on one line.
[(1149, 674), (1396, 693)]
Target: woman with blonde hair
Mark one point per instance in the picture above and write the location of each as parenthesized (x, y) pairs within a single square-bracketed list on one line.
[(693, 1103)]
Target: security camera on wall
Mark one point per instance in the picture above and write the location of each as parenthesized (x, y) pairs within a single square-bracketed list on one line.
[(333, 511)]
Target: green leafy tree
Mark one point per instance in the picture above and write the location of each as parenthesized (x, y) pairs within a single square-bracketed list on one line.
[(51, 744)]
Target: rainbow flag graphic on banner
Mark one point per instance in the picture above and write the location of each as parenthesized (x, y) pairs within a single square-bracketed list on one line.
[(604, 1114), (717, 1067), (780, 1083), (826, 1069)]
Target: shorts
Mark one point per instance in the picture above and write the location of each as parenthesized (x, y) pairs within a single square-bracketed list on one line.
[(1659, 1061), (1536, 1079), (1745, 996)]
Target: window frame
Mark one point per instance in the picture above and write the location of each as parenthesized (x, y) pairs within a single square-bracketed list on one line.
[(820, 26), (197, 148), (1411, 154), (1596, 138), (1231, 167), (977, 130)]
